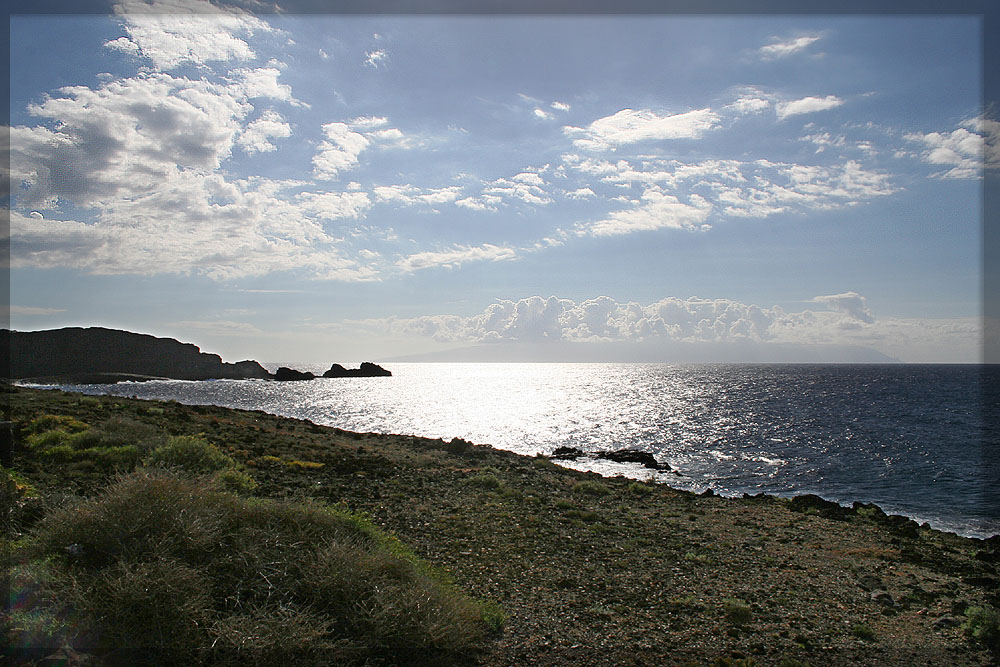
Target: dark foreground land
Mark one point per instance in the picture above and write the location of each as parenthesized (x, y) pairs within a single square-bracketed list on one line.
[(591, 570)]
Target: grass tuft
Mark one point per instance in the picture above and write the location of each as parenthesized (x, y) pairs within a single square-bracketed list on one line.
[(591, 488)]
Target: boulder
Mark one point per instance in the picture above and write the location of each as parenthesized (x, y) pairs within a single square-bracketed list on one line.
[(566, 453), (633, 456), (284, 374), (367, 370)]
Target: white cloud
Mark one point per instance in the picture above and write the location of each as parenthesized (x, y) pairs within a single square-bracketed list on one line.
[(376, 58), (655, 210), (628, 126), (807, 105), (966, 150), (825, 140), (456, 257), (339, 152), (740, 189), (580, 193), (529, 178), (124, 136), (256, 137), (171, 33), (694, 320), (785, 48), (541, 113), (334, 205), (263, 82), (560, 106), (368, 122), (850, 303), (410, 195), (749, 104)]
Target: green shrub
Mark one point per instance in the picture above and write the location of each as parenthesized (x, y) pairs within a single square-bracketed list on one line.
[(192, 453), (983, 624), (65, 423), (591, 488), (487, 481), (640, 489), (234, 481), (862, 631), (737, 612), (14, 487), (46, 439), (180, 568)]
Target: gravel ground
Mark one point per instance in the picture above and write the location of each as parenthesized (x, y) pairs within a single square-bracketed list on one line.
[(608, 571)]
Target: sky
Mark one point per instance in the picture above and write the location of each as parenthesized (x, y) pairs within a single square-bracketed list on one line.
[(321, 187)]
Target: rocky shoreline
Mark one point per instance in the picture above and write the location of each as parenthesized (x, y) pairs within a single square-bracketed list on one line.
[(96, 355), (607, 571)]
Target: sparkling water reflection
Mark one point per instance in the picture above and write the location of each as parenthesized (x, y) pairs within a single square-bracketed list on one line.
[(911, 438)]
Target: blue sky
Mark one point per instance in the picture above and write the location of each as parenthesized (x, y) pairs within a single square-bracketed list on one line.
[(323, 187)]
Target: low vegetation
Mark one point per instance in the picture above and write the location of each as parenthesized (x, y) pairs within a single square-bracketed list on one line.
[(227, 536), (168, 565)]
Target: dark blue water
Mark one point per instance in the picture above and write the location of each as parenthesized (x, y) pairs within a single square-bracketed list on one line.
[(918, 440)]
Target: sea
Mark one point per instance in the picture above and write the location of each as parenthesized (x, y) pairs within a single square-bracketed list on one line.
[(918, 440)]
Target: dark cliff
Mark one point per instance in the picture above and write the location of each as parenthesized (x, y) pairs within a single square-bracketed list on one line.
[(74, 351)]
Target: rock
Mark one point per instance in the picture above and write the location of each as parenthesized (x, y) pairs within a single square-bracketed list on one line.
[(284, 374), (943, 622), (569, 453), (633, 456), (882, 598), (367, 370), (810, 503)]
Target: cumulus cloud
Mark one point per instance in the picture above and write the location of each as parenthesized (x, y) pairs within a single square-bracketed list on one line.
[(851, 303), (263, 82), (171, 33), (339, 152), (807, 105), (560, 106), (785, 48), (604, 319), (629, 126), (740, 189), (124, 136), (456, 257), (542, 114), (654, 210), (966, 150), (692, 320), (255, 138), (410, 195)]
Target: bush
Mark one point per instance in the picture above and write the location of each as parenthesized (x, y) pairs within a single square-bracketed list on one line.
[(487, 481), (737, 612), (983, 624), (640, 489), (192, 453), (862, 631), (176, 567), (64, 423), (234, 481), (591, 488)]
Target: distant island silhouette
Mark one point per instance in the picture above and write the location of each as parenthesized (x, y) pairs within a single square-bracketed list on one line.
[(76, 355)]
